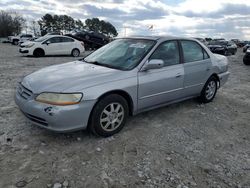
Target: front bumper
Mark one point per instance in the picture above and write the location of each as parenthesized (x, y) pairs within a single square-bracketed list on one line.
[(23, 50), (223, 77), (56, 118)]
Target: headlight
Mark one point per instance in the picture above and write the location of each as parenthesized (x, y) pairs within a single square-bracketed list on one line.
[(59, 98), (29, 45)]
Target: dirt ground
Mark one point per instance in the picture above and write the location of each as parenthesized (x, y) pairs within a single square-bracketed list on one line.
[(183, 145)]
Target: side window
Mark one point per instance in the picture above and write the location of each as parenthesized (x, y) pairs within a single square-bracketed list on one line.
[(54, 40), (64, 39), (192, 51), (168, 52)]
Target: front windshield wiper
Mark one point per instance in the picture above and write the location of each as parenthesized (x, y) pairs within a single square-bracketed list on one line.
[(100, 64)]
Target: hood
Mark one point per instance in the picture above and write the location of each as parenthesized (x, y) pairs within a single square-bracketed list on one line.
[(27, 43), (77, 75)]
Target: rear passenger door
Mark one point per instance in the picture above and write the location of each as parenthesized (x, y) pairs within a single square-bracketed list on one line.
[(67, 45), (197, 65)]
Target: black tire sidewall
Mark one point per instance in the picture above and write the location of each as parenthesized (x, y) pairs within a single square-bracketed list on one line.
[(203, 93), (38, 53), (72, 53), (95, 126), (15, 42)]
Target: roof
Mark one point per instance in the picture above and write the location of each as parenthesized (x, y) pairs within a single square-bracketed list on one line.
[(158, 37)]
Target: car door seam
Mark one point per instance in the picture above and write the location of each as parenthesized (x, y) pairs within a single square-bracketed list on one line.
[(160, 93)]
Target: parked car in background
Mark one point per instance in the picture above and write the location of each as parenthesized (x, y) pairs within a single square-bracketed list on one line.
[(219, 39), (244, 49), (54, 33), (202, 40), (19, 38), (52, 45), (92, 40), (222, 47), (246, 58), (25, 38), (124, 77)]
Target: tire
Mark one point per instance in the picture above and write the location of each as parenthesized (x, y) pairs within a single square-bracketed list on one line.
[(225, 52), (106, 121), (246, 61), (38, 53), (75, 52), (15, 42), (209, 90), (87, 37)]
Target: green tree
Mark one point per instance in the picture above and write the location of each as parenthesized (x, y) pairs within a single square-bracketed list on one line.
[(46, 24), (79, 25), (64, 23), (11, 23), (101, 26)]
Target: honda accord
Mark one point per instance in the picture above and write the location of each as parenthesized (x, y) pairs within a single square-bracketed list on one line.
[(124, 77)]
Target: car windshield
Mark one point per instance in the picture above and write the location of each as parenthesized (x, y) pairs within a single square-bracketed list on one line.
[(40, 39), (122, 54)]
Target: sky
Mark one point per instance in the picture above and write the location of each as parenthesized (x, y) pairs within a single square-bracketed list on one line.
[(192, 18)]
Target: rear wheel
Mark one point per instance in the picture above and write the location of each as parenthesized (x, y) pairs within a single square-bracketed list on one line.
[(75, 52), (87, 37), (246, 61), (109, 115), (209, 91)]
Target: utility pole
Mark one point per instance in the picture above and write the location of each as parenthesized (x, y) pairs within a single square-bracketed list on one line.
[(125, 31)]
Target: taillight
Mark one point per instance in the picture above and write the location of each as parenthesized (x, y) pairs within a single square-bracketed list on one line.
[(82, 43)]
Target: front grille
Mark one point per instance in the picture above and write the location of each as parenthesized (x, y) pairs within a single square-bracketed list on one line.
[(24, 92), (36, 119)]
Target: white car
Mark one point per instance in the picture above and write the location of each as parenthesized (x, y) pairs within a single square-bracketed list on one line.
[(19, 38), (52, 45)]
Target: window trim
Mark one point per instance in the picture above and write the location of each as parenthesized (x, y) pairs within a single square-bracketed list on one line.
[(203, 50), (178, 47)]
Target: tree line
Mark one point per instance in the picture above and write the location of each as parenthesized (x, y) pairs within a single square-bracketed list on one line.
[(13, 24)]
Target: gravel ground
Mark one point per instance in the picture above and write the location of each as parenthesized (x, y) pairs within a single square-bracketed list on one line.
[(181, 145)]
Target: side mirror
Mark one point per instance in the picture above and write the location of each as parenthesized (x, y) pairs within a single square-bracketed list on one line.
[(48, 42), (153, 64)]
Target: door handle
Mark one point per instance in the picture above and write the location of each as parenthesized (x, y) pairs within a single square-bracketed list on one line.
[(178, 75), (208, 69)]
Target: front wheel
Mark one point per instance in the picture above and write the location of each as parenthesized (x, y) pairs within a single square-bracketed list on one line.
[(15, 42), (209, 91), (109, 115)]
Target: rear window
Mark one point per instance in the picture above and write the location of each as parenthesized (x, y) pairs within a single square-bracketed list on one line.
[(192, 51), (65, 39)]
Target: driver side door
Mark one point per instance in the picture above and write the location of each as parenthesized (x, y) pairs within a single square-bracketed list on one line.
[(53, 47), (158, 86)]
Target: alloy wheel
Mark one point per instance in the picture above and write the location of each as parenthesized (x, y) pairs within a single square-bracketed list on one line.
[(210, 90), (112, 116)]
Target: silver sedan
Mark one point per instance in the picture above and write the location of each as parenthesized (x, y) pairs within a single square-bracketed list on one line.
[(125, 77)]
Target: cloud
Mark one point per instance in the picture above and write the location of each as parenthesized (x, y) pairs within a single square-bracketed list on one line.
[(206, 18), (225, 10)]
